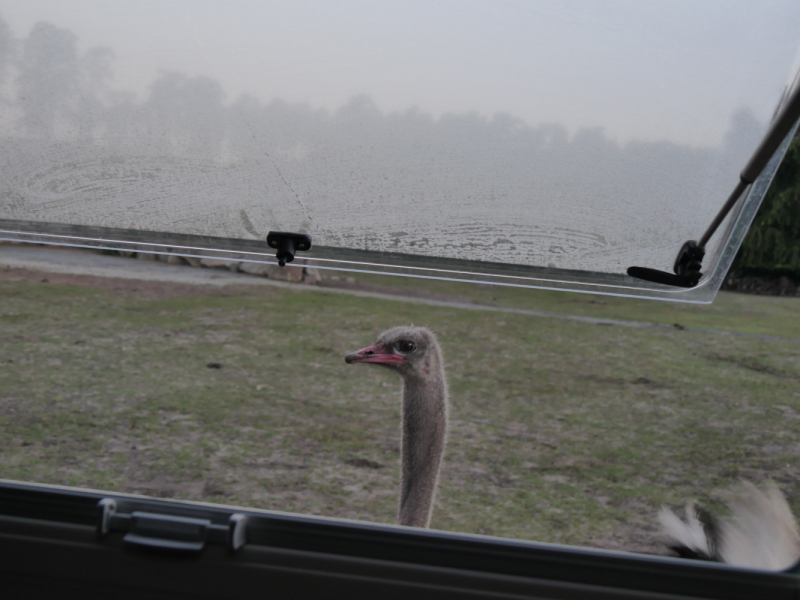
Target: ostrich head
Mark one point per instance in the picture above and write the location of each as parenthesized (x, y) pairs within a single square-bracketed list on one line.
[(414, 354), (411, 351)]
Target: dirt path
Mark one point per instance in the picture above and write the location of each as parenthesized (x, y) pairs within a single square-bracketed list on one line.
[(77, 266), (78, 261)]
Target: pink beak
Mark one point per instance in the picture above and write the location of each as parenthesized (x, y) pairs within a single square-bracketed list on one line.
[(373, 354)]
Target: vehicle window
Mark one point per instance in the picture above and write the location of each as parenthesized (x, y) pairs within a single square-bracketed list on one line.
[(527, 144), (477, 151)]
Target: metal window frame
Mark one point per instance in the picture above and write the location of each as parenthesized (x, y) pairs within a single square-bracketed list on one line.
[(49, 545)]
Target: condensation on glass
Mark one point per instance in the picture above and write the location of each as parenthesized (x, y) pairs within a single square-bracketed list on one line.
[(531, 144)]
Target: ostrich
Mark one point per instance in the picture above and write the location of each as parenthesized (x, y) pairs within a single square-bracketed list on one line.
[(414, 354), (761, 532)]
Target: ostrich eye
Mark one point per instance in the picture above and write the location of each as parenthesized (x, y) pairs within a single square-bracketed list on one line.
[(405, 346)]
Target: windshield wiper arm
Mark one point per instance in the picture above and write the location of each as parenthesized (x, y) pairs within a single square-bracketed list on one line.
[(690, 257)]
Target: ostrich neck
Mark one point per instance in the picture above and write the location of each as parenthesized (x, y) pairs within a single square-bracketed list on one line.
[(424, 424)]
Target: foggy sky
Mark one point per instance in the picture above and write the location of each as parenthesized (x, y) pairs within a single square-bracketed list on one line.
[(675, 70)]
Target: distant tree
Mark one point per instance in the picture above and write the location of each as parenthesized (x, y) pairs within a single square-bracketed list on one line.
[(49, 81), (6, 53), (96, 73), (742, 137), (188, 112)]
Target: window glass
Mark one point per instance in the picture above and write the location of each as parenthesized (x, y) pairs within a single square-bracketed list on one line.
[(531, 143)]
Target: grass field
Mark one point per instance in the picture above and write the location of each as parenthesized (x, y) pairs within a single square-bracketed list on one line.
[(561, 431)]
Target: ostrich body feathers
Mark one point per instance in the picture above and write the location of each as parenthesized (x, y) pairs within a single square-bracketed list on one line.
[(760, 533)]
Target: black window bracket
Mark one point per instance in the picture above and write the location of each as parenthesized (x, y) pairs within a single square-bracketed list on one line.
[(287, 245)]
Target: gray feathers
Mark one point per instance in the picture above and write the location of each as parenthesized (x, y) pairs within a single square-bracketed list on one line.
[(761, 532), (693, 536), (414, 353)]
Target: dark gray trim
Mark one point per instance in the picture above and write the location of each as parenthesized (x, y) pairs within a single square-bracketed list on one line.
[(48, 534)]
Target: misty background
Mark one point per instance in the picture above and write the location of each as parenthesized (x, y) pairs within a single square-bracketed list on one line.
[(87, 138)]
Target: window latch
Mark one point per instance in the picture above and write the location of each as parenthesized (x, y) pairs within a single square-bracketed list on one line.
[(169, 532)]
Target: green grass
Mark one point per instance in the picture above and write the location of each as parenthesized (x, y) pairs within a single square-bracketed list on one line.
[(729, 312), (561, 431)]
